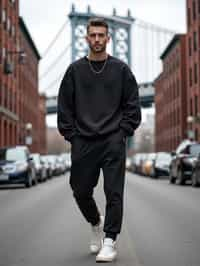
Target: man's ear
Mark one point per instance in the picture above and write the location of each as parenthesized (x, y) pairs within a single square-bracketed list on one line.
[(86, 38), (108, 38)]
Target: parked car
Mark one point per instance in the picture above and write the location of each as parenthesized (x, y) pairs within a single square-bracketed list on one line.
[(41, 171), (17, 166), (52, 160), (183, 162), (148, 163), (47, 166), (137, 162), (60, 165), (67, 160), (196, 173), (128, 163), (161, 164)]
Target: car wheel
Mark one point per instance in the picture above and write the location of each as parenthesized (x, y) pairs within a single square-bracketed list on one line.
[(155, 173), (29, 180), (35, 178), (195, 182), (180, 177), (172, 179)]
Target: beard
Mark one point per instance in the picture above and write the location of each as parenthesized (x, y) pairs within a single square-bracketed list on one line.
[(97, 48)]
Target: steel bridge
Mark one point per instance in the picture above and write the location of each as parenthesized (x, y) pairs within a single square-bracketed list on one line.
[(136, 42)]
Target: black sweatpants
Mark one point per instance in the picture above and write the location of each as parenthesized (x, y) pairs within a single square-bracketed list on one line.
[(88, 157)]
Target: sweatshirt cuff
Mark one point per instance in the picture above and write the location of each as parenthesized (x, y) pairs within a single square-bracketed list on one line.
[(69, 137), (123, 132)]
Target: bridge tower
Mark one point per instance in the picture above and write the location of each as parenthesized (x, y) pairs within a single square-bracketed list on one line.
[(120, 32)]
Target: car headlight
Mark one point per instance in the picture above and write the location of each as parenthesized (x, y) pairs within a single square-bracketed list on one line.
[(22, 166), (9, 168)]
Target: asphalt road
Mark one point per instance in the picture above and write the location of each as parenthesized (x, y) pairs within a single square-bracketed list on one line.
[(42, 226)]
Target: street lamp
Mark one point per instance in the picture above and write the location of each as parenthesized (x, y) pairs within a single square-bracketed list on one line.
[(9, 66), (28, 138), (190, 120)]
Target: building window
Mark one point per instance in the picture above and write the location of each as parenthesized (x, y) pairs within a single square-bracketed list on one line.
[(5, 97), (13, 31), (191, 111), (3, 52), (1, 95), (189, 17), (178, 89), (9, 100), (3, 16), (178, 115), (194, 9), (196, 104), (196, 134), (8, 24), (177, 60), (190, 73), (190, 46), (199, 34), (199, 6), (194, 40), (195, 73)]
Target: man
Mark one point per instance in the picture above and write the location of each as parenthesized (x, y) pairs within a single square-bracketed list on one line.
[(98, 107)]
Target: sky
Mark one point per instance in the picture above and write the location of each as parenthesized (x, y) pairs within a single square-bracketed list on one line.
[(45, 18)]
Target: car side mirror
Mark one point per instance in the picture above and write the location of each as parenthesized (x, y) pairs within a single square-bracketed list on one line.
[(173, 153), (30, 158)]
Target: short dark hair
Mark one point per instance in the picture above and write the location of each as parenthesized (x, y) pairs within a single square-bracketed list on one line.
[(98, 22)]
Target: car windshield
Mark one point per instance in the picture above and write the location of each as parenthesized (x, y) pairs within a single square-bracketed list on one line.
[(14, 154), (164, 157), (151, 156), (195, 150)]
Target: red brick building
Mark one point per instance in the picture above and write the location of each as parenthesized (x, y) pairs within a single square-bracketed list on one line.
[(193, 63), (9, 95), (22, 110), (28, 89), (170, 96)]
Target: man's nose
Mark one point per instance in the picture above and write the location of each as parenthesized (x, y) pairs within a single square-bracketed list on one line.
[(97, 37)]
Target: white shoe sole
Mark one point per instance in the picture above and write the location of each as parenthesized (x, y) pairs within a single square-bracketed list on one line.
[(106, 259), (94, 249)]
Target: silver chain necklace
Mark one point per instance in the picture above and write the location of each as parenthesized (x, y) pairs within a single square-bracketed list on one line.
[(101, 70)]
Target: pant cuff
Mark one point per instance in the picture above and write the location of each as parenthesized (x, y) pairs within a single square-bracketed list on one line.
[(111, 235)]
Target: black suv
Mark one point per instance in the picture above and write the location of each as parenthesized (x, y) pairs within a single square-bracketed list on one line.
[(184, 161), (16, 166)]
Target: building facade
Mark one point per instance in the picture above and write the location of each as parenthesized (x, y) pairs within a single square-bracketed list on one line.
[(170, 96), (193, 65), (9, 83), (22, 110), (28, 91)]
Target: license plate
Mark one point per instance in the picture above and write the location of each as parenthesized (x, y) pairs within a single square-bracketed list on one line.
[(4, 177)]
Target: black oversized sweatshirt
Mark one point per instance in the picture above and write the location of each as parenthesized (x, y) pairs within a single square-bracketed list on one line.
[(92, 105)]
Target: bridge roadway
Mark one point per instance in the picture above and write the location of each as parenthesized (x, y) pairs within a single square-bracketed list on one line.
[(146, 91)]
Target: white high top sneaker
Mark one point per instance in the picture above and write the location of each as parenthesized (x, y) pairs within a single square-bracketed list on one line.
[(97, 236), (108, 251)]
